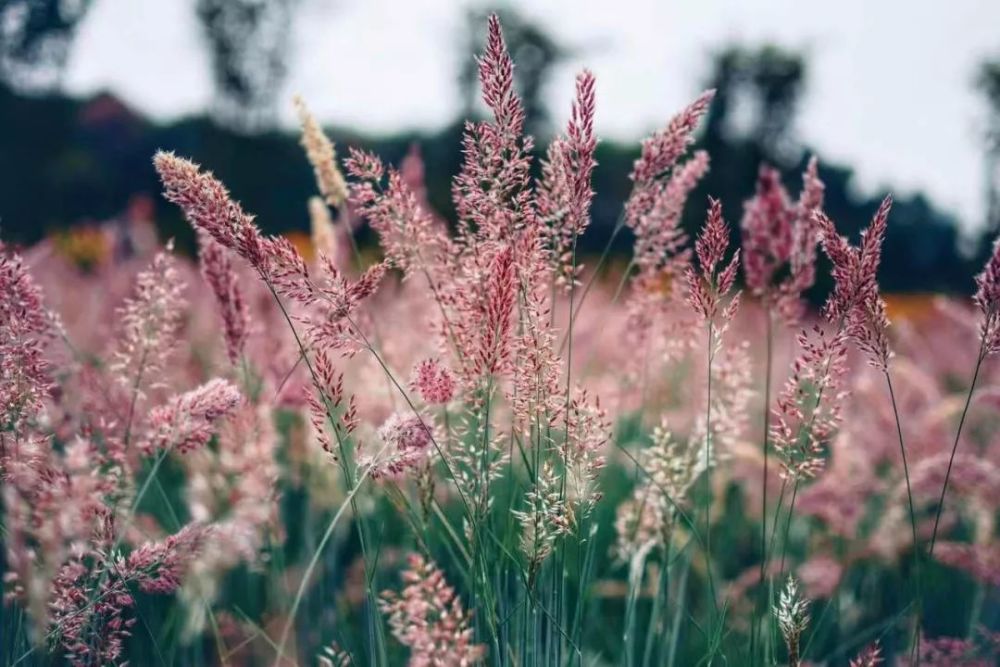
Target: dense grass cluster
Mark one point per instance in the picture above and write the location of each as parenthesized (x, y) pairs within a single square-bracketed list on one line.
[(477, 450)]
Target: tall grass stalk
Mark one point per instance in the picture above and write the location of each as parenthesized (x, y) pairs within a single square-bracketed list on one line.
[(707, 486), (918, 584), (680, 601), (307, 574), (980, 357), (375, 632), (769, 345)]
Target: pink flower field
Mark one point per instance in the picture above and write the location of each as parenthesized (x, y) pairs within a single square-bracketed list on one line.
[(475, 445)]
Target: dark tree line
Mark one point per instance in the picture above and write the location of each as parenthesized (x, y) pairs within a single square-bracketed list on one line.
[(84, 159)]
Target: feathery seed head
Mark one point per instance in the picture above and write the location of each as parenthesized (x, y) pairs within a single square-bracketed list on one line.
[(407, 441), (496, 75), (662, 150), (792, 612), (871, 656), (218, 272), (707, 289), (207, 205), (322, 156), (150, 321), (855, 301), (988, 299), (433, 381), (767, 232), (427, 617), (187, 422)]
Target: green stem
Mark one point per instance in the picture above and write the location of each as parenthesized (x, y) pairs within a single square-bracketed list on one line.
[(763, 505), (374, 627), (954, 447), (312, 566), (708, 471), (619, 225), (681, 598), (788, 525), (913, 520)]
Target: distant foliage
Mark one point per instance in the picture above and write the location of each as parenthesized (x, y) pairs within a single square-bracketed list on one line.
[(35, 41)]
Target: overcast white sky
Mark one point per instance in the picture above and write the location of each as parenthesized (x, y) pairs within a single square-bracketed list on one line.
[(890, 88)]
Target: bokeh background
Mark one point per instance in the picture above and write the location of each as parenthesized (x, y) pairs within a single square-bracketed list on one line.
[(896, 96)]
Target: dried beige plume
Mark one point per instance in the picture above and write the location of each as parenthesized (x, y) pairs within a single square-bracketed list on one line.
[(322, 156), (324, 237)]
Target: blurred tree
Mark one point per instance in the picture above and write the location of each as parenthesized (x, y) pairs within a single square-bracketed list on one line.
[(988, 82), (35, 37), (751, 121), (248, 41), (757, 96), (535, 52)]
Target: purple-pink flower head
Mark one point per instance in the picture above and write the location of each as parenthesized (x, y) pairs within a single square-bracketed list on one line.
[(779, 241), (714, 238), (427, 617), (494, 353), (707, 290), (406, 444), (988, 299), (854, 268), (813, 189), (871, 656), (158, 567), (434, 381), (871, 247), (662, 150), (855, 301), (187, 422), (207, 205), (802, 255), (767, 232), (24, 326), (496, 73), (218, 272), (582, 143)]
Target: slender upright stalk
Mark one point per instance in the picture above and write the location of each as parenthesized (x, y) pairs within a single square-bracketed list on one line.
[(619, 225), (656, 621), (788, 524), (763, 504), (767, 646), (624, 279), (679, 601), (374, 627), (629, 638), (560, 558), (708, 448), (954, 447), (135, 395), (913, 521), (290, 621), (714, 608)]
